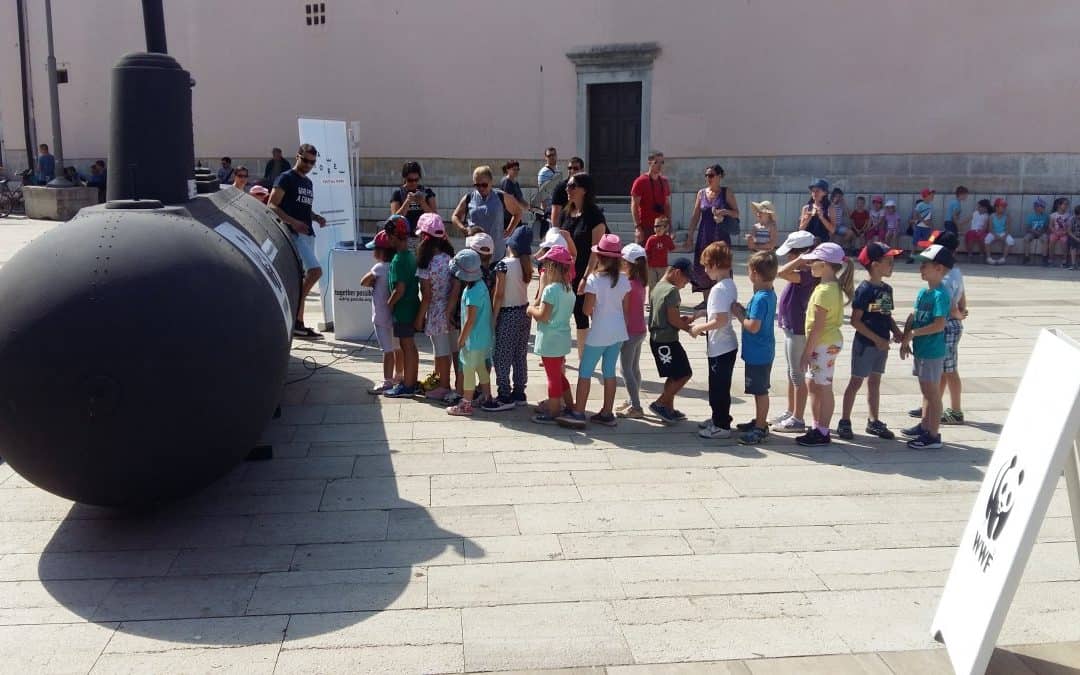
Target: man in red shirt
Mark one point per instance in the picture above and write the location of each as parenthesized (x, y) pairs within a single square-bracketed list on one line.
[(650, 197)]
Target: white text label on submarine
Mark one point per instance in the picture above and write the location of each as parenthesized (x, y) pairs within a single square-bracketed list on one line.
[(243, 241)]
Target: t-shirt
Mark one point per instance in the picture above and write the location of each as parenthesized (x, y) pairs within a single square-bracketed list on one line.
[(560, 198), (1037, 222), (413, 213), (1059, 222), (953, 283), (437, 272), (876, 303), (663, 295), (952, 211), (815, 227), (760, 348), (553, 337), (380, 293), (656, 249), (515, 288), (476, 295), (892, 221), (930, 304), (827, 295), (793, 302), (513, 188), (925, 212), (999, 223), (298, 196), (635, 316), (581, 227), (651, 192), (978, 221), (403, 270), (608, 325), (859, 219), (722, 295)]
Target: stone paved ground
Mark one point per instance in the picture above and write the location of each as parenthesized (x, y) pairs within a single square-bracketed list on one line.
[(386, 536)]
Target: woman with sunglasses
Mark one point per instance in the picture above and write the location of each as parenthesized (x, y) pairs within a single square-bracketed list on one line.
[(714, 204), (482, 208), (412, 199), (240, 179), (586, 223)]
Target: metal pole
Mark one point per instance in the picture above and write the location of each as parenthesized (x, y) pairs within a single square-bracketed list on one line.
[(154, 26), (54, 104), (27, 92)]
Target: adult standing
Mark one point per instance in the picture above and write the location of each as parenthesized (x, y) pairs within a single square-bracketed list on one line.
[(98, 179), (559, 198), (548, 171), (713, 206), (291, 201), (225, 171), (650, 196), (815, 213), (46, 165), (512, 188), (483, 208), (586, 223), (412, 199), (275, 167)]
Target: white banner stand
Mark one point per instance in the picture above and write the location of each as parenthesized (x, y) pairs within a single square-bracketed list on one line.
[(352, 302), (333, 199), (1020, 482)]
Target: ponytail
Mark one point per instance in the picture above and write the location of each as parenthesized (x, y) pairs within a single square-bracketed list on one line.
[(846, 278)]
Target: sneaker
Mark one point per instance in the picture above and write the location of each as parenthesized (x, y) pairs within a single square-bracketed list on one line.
[(844, 431), (951, 416), (623, 407), (780, 418), (915, 412), (913, 432), (497, 404), (705, 423), (572, 419), (303, 332), (607, 420), (925, 442), (631, 413), (755, 436), (437, 394), (451, 397), (878, 428), (713, 432), (381, 389), (663, 413), (462, 408), (746, 426), (679, 415), (519, 398), (812, 438), (400, 391), (791, 425), (543, 418)]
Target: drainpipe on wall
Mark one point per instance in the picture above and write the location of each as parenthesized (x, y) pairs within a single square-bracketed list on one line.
[(27, 92)]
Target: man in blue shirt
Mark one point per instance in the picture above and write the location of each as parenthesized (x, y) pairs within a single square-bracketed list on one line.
[(46, 165)]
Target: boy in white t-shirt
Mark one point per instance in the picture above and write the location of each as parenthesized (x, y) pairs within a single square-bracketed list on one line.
[(381, 317), (722, 344)]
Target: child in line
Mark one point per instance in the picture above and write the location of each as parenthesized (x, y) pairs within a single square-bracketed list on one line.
[(758, 343), (606, 300), (657, 248), (877, 229), (871, 317), (999, 232), (892, 224), (922, 220), (665, 322), (924, 336), (474, 343), (791, 316), (722, 346), (1036, 231), (1058, 239), (954, 210), (953, 283), (975, 237), (838, 212), (824, 342), (635, 267), (484, 245), (404, 302), (763, 236), (860, 223), (552, 310), (512, 276), (433, 269), (383, 250), (1074, 239)]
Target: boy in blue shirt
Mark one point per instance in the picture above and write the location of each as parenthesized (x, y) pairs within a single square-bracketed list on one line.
[(1036, 228), (758, 343), (924, 336)]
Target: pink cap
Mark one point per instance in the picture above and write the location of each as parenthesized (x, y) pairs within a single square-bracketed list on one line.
[(431, 225), (926, 193)]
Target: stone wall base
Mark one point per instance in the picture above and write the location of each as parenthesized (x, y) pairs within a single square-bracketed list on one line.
[(61, 204)]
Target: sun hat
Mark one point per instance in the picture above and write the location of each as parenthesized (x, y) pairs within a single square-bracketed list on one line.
[(1000, 201), (465, 265), (520, 241), (890, 202), (397, 226), (821, 184), (1039, 203), (683, 265), (926, 192), (558, 254), (875, 251), (481, 242), (633, 252), (827, 252), (764, 207), (553, 238), (609, 246), (432, 225), (877, 199), (937, 254), (795, 240)]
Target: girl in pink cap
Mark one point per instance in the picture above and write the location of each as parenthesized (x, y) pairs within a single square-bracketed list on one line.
[(433, 269), (552, 310)]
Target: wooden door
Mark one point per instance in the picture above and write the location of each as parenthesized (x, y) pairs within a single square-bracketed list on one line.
[(614, 136)]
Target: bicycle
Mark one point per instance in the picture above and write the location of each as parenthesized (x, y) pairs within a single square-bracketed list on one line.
[(11, 197)]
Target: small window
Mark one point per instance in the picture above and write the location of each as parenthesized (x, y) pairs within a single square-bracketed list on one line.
[(315, 13)]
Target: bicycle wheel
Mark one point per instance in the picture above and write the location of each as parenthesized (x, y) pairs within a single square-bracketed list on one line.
[(6, 204)]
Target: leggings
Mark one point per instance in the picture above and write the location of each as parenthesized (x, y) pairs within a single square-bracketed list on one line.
[(473, 368), (630, 360), (557, 382), (793, 350), (511, 347)]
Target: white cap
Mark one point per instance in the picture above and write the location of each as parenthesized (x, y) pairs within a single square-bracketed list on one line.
[(553, 238), (481, 242), (633, 252), (797, 239), (890, 202)]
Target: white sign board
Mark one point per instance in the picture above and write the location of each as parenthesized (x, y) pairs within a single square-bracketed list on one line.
[(333, 199), (352, 302), (1020, 481)]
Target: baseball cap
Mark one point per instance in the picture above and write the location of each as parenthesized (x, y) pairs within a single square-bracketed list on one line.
[(926, 192), (381, 240), (633, 252), (937, 254), (683, 265), (943, 237), (797, 239), (481, 242), (553, 238), (1000, 201), (1039, 203), (877, 199), (820, 183), (875, 251), (827, 252), (397, 226), (432, 225), (890, 202)]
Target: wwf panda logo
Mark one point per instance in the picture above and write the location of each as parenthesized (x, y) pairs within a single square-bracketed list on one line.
[(1002, 496)]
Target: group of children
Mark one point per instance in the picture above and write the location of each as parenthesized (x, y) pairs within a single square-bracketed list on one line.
[(478, 314)]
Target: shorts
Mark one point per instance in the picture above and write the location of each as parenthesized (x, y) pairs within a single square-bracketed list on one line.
[(866, 359), (758, 377), (384, 333), (444, 344), (794, 345), (823, 363), (954, 328), (655, 275), (608, 356), (1074, 245), (919, 233), (929, 370), (950, 226), (972, 237), (305, 247), (671, 360), (404, 330), (1007, 237), (581, 319)]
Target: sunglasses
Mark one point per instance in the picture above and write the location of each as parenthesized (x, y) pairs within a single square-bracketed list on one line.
[(241, 175), (550, 156), (412, 179), (710, 175), (481, 185), (305, 160), (571, 186)]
